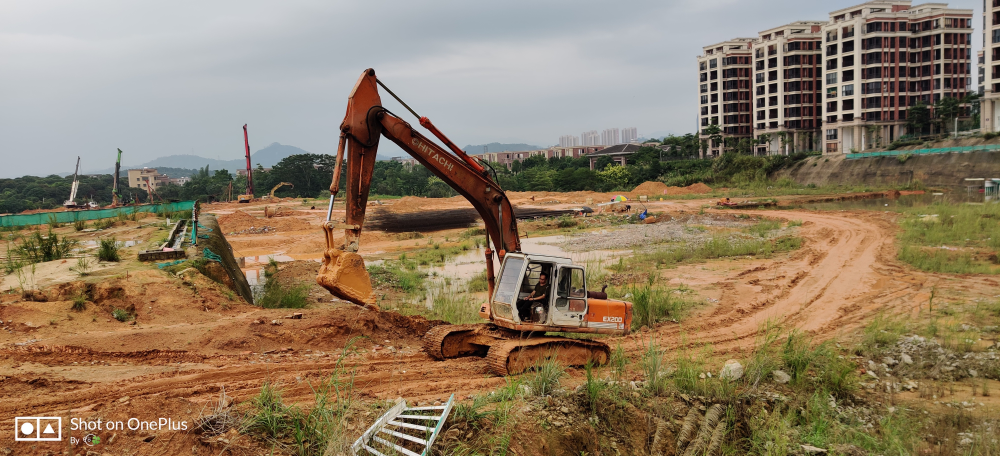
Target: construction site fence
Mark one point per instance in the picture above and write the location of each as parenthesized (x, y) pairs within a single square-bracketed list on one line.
[(943, 150), (42, 218)]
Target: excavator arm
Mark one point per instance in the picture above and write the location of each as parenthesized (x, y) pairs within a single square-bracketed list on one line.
[(366, 121)]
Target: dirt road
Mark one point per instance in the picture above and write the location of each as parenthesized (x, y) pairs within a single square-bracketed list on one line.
[(845, 273)]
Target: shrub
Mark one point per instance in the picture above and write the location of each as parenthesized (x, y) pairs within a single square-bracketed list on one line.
[(567, 222), (80, 225), (121, 315), (274, 295), (79, 303), (108, 250), (54, 222), (37, 248)]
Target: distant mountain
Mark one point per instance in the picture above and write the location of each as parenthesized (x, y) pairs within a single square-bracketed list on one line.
[(498, 147), (183, 164)]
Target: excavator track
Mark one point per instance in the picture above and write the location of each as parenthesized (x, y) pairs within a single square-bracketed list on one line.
[(510, 352), (511, 357), (447, 341)]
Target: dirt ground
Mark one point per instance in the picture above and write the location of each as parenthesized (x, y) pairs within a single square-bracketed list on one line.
[(191, 337)]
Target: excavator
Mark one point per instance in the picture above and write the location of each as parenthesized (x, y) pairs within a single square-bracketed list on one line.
[(513, 340), (276, 187)]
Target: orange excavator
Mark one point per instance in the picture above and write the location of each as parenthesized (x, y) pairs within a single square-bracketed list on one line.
[(519, 311)]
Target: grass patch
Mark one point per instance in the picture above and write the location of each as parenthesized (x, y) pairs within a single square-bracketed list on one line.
[(37, 248), (313, 431), (546, 377), (80, 303), (399, 275), (108, 250), (274, 295), (951, 238), (717, 247), (652, 305), (121, 315)]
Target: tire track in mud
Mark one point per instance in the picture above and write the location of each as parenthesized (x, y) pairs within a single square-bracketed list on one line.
[(845, 273)]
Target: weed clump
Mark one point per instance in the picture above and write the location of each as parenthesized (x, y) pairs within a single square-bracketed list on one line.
[(80, 225), (121, 315), (38, 249), (108, 250), (274, 295), (546, 377)]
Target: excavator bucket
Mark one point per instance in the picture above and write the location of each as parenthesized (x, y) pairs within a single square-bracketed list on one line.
[(344, 275)]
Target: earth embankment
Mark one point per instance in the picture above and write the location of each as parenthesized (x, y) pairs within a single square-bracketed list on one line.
[(936, 170)]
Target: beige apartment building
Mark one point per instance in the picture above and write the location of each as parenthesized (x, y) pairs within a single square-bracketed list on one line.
[(724, 90), (882, 57), (787, 88), (989, 107)]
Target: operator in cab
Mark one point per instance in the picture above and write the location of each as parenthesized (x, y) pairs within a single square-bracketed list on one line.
[(539, 294)]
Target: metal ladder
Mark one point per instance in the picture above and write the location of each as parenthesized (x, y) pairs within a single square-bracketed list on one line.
[(398, 432)]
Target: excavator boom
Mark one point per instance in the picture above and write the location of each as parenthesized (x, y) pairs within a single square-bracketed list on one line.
[(510, 344), (365, 122)]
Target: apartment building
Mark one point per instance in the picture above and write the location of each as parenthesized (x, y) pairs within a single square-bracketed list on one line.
[(787, 88), (630, 134), (981, 65), (568, 141), (989, 106), (882, 57), (141, 178), (724, 82), (610, 137), (590, 138)]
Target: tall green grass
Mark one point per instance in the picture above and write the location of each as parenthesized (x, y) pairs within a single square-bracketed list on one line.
[(108, 250), (716, 247), (274, 295), (37, 248), (652, 305), (969, 233)]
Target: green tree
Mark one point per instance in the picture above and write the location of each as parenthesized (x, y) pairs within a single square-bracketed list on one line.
[(615, 178), (918, 119)]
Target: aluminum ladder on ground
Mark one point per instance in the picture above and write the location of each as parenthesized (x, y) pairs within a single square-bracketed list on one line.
[(403, 430)]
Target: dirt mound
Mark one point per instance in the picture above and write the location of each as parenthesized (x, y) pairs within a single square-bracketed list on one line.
[(651, 188), (240, 222), (419, 203)]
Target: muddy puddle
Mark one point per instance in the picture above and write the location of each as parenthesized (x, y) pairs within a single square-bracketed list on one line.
[(473, 262), (94, 244)]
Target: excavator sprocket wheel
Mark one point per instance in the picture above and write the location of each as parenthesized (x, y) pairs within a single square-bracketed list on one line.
[(344, 275), (512, 357), (451, 341)]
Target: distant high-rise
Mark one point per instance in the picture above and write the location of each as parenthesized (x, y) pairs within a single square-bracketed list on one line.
[(609, 137), (590, 138), (568, 141), (629, 134)]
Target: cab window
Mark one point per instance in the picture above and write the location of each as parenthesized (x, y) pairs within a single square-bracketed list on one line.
[(509, 279)]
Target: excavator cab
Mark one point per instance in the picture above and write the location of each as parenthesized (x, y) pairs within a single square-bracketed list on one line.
[(565, 304)]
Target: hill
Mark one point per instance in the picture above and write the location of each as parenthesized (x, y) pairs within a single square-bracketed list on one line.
[(498, 147)]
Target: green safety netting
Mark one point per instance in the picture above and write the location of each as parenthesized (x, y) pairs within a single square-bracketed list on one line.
[(169, 263), (942, 150), (95, 214), (211, 255)]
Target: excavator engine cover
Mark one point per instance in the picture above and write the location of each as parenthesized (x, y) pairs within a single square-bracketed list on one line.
[(344, 275)]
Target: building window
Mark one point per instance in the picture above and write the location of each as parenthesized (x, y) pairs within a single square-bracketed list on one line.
[(704, 88), (831, 135), (831, 78), (704, 99), (848, 90), (713, 63)]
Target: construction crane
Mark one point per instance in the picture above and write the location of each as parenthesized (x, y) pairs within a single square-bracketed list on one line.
[(521, 306), (246, 198), (276, 187), (116, 194), (71, 202)]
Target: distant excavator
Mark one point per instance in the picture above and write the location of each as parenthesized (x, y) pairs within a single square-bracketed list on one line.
[(276, 187), (522, 306)]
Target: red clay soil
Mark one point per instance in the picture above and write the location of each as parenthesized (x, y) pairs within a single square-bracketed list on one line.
[(191, 339)]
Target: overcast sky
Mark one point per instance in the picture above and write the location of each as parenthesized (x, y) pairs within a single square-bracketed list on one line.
[(162, 78)]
